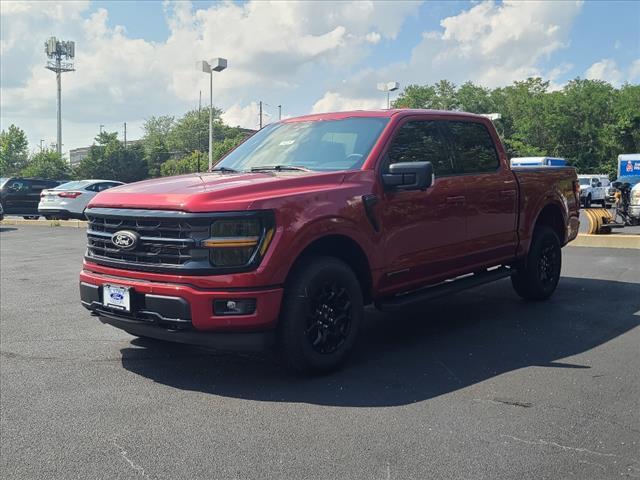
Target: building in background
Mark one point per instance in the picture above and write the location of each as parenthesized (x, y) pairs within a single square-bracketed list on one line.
[(76, 155)]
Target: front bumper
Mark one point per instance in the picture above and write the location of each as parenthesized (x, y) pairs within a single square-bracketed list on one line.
[(184, 313)]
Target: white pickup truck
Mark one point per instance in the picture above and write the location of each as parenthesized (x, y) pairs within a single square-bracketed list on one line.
[(593, 188)]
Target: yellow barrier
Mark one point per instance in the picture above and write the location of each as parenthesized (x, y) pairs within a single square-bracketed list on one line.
[(598, 219)]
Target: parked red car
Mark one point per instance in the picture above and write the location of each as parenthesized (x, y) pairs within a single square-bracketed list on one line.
[(311, 219)]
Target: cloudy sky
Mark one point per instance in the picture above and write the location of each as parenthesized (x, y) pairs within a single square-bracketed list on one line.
[(136, 59)]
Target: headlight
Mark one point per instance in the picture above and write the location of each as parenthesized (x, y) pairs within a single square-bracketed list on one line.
[(239, 242), (635, 197)]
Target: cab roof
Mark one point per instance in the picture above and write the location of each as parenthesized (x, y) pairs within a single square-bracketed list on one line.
[(401, 112)]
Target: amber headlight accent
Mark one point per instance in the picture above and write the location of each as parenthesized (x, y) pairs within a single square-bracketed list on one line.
[(239, 242)]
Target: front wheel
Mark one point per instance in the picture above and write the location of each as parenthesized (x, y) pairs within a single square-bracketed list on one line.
[(321, 315), (587, 202), (537, 278)]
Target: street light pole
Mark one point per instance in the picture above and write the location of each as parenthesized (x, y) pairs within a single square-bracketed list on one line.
[(388, 87), (216, 65), (210, 119)]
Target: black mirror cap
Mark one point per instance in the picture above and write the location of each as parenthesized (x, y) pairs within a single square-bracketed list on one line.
[(409, 176)]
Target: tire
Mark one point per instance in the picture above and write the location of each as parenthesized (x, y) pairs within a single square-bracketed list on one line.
[(538, 277), (321, 314), (31, 217), (604, 204), (587, 202)]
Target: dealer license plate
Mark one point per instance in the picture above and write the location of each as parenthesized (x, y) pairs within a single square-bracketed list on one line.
[(117, 297)]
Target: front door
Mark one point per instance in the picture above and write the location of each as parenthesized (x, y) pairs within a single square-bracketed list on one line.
[(422, 230)]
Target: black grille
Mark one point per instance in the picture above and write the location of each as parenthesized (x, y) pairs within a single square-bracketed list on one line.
[(170, 241)]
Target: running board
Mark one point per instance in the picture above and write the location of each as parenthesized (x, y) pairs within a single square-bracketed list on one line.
[(441, 289)]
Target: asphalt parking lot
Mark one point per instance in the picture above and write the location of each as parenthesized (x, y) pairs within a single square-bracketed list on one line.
[(480, 385)]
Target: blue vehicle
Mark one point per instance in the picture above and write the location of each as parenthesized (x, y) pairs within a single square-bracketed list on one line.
[(629, 168), (538, 162)]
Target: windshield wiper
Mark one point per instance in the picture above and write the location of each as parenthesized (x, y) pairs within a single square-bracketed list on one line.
[(280, 168), (225, 169)]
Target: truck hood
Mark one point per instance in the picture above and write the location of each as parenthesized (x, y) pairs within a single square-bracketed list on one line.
[(215, 191)]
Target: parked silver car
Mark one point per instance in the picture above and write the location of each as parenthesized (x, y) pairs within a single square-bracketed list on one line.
[(70, 199)]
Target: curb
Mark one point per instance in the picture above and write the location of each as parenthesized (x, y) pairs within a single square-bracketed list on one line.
[(606, 241), (45, 223)]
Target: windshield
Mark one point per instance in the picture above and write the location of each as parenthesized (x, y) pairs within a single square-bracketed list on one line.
[(74, 185), (326, 145), (3, 181), (584, 181)]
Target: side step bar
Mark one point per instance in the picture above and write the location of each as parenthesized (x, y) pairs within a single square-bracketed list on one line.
[(441, 289)]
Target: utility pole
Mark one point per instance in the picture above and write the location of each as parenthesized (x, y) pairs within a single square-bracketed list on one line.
[(41, 147), (279, 112), (56, 50), (125, 135), (260, 114), (101, 127)]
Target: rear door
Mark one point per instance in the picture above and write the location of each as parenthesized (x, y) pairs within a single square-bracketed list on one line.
[(491, 191), (422, 230)]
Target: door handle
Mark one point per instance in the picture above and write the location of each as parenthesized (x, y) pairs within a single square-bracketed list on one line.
[(458, 199)]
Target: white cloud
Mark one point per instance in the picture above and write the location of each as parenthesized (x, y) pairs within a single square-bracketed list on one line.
[(491, 44), (607, 69), (334, 102), (273, 48)]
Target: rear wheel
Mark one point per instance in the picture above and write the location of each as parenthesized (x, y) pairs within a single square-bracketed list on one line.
[(321, 315), (538, 277), (587, 202)]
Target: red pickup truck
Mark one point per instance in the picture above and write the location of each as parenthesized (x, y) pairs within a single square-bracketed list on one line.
[(312, 218)]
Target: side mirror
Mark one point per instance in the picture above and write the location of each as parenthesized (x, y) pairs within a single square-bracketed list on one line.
[(616, 185), (408, 176)]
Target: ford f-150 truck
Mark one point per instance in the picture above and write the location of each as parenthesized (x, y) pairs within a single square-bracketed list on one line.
[(312, 218)]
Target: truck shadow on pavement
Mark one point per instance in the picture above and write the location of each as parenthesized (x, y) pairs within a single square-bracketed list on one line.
[(402, 358)]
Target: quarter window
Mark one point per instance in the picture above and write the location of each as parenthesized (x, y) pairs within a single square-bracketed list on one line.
[(421, 141), (473, 147)]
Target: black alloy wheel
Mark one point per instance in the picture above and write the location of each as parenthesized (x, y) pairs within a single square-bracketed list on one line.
[(321, 313), (329, 321), (537, 276)]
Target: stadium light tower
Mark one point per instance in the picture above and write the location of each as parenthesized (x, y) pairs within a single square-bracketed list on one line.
[(60, 54)]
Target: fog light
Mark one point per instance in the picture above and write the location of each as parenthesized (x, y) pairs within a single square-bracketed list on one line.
[(236, 306)]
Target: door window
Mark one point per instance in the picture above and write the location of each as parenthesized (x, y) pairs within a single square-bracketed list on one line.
[(18, 186), (421, 141), (473, 147)]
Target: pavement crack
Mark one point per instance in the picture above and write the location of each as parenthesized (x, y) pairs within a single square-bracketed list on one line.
[(124, 454), (568, 448), (514, 403)]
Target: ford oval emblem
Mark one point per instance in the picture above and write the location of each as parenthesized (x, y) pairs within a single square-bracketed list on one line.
[(116, 296), (125, 239)]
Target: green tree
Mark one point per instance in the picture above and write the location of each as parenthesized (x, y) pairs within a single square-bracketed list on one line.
[(47, 164), (154, 141), (190, 133), (13, 150), (189, 164), (110, 160)]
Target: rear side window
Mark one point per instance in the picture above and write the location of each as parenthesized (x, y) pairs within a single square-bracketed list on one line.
[(421, 141), (473, 147)]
